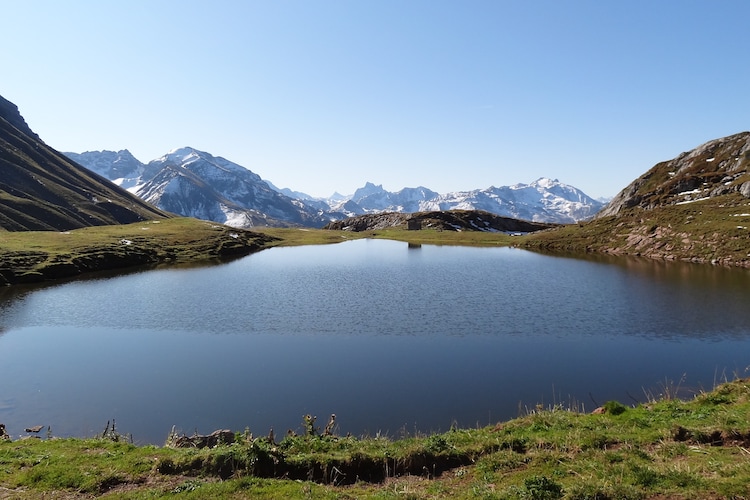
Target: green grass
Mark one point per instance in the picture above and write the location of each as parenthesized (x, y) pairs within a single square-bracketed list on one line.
[(709, 231), (716, 230), (670, 448), (31, 256)]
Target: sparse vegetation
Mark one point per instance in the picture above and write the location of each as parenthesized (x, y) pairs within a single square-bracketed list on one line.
[(669, 448), (713, 230), (34, 256)]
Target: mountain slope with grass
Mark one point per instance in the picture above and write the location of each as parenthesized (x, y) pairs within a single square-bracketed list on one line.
[(41, 189), (695, 207), (60, 220), (716, 168)]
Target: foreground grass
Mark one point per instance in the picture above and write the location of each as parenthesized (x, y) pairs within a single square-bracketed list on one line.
[(666, 449)]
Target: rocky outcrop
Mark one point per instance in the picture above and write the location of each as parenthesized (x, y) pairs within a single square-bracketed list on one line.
[(716, 168), (449, 220)]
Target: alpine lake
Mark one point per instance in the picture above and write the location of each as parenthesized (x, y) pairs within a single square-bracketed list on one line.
[(394, 339)]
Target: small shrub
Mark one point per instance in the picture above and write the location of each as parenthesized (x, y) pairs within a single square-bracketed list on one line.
[(614, 408), (436, 444)]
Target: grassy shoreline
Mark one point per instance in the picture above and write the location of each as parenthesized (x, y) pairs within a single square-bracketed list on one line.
[(42, 256), (39, 256), (671, 448), (666, 449)]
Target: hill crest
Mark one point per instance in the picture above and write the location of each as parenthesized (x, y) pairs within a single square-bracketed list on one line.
[(41, 189), (715, 168)]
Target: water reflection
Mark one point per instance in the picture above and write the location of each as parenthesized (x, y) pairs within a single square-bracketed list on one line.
[(381, 336)]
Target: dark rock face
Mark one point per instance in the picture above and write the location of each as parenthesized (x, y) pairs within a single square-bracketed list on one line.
[(41, 189), (716, 168), (10, 113)]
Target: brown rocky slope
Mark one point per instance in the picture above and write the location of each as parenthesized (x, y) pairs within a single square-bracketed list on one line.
[(695, 207)]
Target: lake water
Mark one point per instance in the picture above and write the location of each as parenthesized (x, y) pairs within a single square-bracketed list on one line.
[(392, 339)]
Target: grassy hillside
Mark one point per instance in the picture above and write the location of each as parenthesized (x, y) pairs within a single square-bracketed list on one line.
[(695, 207), (34, 256), (666, 449), (713, 230)]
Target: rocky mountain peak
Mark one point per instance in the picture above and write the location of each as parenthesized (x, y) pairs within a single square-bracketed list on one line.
[(9, 112), (118, 166)]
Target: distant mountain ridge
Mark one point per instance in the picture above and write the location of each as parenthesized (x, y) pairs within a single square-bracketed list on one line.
[(544, 200), (196, 184), (41, 189)]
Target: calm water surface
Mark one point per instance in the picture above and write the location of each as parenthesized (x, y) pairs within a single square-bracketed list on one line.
[(391, 339)]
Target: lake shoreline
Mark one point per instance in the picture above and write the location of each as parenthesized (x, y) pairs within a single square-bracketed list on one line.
[(38, 257), (667, 447)]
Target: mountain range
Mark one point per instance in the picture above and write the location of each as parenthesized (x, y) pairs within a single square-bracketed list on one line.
[(694, 207), (197, 184)]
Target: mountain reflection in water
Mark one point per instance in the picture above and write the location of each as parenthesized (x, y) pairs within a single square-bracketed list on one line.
[(390, 339)]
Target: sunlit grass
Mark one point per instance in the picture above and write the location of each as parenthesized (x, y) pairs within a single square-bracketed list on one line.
[(668, 448), (27, 256), (715, 230)]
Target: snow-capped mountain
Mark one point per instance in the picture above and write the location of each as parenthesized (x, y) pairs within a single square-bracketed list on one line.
[(120, 167), (196, 184), (375, 198), (544, 200)]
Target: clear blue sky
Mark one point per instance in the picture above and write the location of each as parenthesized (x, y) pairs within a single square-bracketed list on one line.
[(323, 95)]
